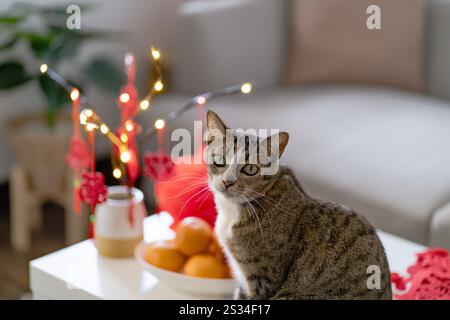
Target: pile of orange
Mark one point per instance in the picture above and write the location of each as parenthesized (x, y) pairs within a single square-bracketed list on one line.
[(195, 251)]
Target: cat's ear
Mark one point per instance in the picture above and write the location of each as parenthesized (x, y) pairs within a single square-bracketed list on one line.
[(271, 142), (213, 122)]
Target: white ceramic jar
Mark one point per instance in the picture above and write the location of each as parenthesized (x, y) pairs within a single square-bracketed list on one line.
[(114, 235)]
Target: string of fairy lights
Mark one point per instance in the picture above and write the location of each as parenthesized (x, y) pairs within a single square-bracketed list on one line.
[(92, 121)]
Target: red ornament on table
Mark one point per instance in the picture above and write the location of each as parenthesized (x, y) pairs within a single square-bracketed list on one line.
[(429, 277)]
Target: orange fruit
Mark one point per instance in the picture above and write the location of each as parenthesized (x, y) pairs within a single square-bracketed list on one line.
[(192, 236), (165, 255), (205, 266), (215, 249)]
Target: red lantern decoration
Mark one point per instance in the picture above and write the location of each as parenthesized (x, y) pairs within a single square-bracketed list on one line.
[(187, 193)]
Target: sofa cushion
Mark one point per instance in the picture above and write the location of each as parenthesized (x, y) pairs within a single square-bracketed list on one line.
[(383, 152), (330, 41), (438, 48)]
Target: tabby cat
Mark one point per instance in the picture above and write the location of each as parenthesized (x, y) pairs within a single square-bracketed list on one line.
[(280, 242)]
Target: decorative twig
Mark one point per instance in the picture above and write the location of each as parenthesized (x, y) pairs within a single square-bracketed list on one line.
[(201, 99), (92, 121)]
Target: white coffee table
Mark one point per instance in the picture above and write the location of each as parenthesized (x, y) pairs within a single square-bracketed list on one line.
[(78, 272)]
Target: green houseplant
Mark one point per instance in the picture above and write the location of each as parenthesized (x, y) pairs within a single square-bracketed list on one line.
[(29, 36), (49, 41)]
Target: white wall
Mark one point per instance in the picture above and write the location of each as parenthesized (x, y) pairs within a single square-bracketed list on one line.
[(145, 22)]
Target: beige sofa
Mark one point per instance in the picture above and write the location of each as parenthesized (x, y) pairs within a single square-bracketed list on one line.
[(382, 151)]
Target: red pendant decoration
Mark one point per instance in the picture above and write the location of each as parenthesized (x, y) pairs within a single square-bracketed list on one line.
[(128, 103), (429, 277), (158, 166), (78, 156), (93, 189), (78, 160)]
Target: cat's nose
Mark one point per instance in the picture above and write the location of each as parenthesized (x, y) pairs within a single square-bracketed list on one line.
[(228, 184)]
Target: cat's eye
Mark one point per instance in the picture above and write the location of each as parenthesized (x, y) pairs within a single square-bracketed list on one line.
[(250, 169), (218, 160)]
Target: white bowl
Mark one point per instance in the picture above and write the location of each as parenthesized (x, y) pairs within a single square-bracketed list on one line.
[(199, 286)]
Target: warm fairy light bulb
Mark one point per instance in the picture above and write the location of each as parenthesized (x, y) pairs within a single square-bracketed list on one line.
[(158, 85), (246, 87), (83, 119), (125, 156), (124, 138), (156, 54), (144, 104), (43, 68), (201, 100), (74, 94), (117, 173), (104, 129), (160, 124), (91, 126), (124, 97), (85, 115), (129, 59), (129, 126)]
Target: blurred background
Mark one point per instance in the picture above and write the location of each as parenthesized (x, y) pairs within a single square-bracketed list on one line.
[(128, 26)]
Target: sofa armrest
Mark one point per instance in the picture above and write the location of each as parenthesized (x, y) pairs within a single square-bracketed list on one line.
[(224, 42), (440, 228)]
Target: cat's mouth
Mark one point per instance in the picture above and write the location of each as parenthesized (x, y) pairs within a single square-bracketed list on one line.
[(228, 193)]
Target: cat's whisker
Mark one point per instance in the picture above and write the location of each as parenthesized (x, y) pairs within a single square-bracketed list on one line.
[(265, 211), (184, 181), (250, 215), (187, 189), (246, 201), (203, 197), (257, 218), (184, 176), (188, 200), (208, 195), (270, 202)]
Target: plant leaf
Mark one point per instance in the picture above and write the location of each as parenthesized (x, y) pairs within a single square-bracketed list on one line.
[(39, 44), (55, 94), (6, 19), (8, 43), (12, 74), (104, 74), (64, 46)]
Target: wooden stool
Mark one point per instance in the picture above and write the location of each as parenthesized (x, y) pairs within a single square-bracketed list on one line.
[(26, 214)]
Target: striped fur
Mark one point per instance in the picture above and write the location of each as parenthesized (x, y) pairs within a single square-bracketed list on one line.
[(284, 244)]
